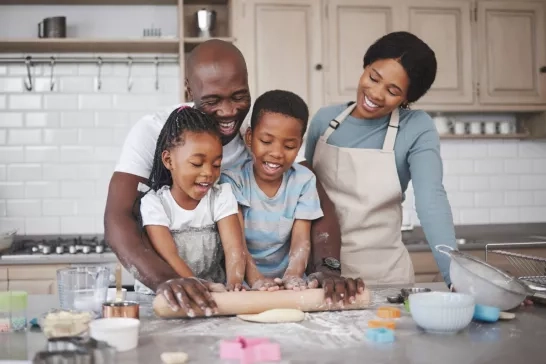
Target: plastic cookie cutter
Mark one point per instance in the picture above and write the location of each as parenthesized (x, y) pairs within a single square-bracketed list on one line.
[(382, 323), (380, 335), (388, 312), (250, 350)]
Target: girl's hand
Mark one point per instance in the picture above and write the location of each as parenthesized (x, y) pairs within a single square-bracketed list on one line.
[(267, 284), (293, 282), (236, 287)]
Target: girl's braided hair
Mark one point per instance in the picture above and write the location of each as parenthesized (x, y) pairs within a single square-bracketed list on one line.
[(181, 120)]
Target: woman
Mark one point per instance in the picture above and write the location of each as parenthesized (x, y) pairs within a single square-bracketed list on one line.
[(366, 152)]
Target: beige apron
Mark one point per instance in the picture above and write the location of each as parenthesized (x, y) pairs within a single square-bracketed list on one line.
[(364, 186)]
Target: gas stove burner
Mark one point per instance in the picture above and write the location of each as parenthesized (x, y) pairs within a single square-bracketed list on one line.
[(77, 245)]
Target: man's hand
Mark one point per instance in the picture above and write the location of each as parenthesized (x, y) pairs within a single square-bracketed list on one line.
[(336, 288), (181, 293)]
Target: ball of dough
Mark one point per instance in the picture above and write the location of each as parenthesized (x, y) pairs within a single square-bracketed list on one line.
[(277, 315), (177, 357)]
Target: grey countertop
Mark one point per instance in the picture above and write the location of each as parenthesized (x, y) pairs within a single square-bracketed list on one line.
[(327, 337)]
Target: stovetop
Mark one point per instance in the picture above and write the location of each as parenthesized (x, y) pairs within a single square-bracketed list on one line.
[(58, 246)]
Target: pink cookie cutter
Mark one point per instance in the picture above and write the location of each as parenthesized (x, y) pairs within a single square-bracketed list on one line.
[(250, 350)]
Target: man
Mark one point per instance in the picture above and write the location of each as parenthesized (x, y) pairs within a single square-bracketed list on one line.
[(217, 82)]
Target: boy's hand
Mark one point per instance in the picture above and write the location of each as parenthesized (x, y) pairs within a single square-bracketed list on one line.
[(267, 284), (235, 286), (293, 282)]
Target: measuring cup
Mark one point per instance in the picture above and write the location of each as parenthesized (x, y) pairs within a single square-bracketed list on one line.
[(83, 288)]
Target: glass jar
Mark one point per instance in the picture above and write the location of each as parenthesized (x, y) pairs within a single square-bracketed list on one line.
[(5, 323), (18, 303)]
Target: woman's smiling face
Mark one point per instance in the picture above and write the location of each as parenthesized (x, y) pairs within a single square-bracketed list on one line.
[(382, 88)]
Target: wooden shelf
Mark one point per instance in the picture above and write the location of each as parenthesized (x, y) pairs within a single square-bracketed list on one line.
[(195, 40), (88, 2), (75, 45), (486, 136)]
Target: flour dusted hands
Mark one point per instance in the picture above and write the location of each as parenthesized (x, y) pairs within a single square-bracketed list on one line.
[(294, 282), (180, 293), (267, 284)]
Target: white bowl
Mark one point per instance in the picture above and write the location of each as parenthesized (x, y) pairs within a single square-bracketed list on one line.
[(119, 332), (442, 312), (112, 294)]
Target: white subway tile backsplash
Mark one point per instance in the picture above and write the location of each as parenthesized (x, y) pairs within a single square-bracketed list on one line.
[(474, 216), (77, 189), (59, 207), (458, 167), (10, 190), (9, 223), (21, 70), (108, 119), (535, 149), (539, 197), (533, 214), (532, 182), (77, 84), (42, 225), (60, 172), (96, 136), (78, 225), (87, 207), (3, 102), (61, 136), (504, 215), (24, 136), (76, 154), (518, 166), (460, 199), (11, 84), (61, 102), (24, 172), (519, 198), (25, 102), (42, 189), (107, 154), (43, 84), (12, 154), (3, 70), (3, 136), (489, 199), (504, 182), (42, 154), (474, 183), (472, 150), (95, 102), (23, 208), (11, 119), (539, 166), (489, 166), (3, 211), (77, 119), (502, 149), (42, 119)]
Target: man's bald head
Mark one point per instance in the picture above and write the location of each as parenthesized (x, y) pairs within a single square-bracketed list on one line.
[(217, 81), (214, 51)]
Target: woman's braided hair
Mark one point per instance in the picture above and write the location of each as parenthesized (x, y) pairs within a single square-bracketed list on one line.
[(181, 120)]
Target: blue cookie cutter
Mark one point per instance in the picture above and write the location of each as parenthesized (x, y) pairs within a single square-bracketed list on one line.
[(486, 313), (380, 335)]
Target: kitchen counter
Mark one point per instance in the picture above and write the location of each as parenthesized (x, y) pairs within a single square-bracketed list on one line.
[(91, 258), (327, 337)]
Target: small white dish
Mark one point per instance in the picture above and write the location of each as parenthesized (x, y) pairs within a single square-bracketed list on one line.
[(442, 312), (119, 332), (112, 294)]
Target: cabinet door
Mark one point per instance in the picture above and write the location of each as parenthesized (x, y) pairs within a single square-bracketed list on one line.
[(34, 287), (354, 25), (282, 44), (445, 25), (512, 46)]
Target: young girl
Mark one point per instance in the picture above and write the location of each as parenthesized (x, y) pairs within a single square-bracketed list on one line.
[(278, 197), (185, 213)]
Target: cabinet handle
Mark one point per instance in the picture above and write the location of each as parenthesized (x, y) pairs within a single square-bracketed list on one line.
[(318, 67), (543, 69)]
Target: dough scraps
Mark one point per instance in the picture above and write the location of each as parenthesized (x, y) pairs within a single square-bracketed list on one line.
[(177, 357), (277, 315)]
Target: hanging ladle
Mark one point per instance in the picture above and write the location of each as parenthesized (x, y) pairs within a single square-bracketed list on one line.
[(99, 81), (129, 76), (51, 82), (28, 82)]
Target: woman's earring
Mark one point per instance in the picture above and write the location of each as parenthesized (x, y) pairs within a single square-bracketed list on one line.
[(405, 105)]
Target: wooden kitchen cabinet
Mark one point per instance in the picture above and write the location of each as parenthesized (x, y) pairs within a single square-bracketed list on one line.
[(512, 49), (352, 26), (35, 279), (445, 25), (282, 44)]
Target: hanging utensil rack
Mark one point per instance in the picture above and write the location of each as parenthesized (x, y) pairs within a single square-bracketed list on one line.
[(527, 267), (88, 59)]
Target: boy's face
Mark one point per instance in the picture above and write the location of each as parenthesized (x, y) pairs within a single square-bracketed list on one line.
[(274, 144), (194, 165)]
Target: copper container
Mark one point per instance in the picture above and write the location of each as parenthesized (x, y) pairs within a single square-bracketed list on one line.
[(128, 309)]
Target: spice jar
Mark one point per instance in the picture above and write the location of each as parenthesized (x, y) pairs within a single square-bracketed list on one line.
[(5, 324), (18, 306)]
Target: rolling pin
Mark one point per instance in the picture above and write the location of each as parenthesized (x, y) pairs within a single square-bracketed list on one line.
[(253, 302)]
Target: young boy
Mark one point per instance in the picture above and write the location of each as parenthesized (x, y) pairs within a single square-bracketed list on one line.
[(277, 198)]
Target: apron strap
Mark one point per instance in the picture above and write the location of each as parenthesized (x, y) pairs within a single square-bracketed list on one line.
[(334, 124), (392, 131)]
